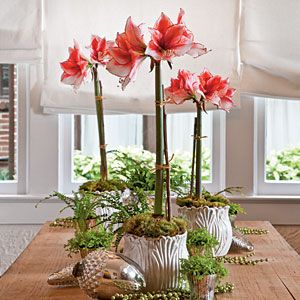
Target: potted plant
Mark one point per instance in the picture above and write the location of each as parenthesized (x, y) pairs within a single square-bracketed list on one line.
[(83, 205), (202, 273), (202, 89), (75, 70), (155, 241), (200, 242), (90, 240)]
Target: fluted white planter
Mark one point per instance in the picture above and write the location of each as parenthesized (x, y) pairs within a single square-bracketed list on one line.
[(215, 220), (158, 258)]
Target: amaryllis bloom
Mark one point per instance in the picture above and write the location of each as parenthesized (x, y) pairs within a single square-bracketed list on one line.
[(185, 87), (128, 53), (169, 40), (216, 90), (75, 68), (100, 49)]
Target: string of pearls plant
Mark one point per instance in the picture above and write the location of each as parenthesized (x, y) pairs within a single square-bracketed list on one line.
[(172, 294), (242, 260), (248, 230)]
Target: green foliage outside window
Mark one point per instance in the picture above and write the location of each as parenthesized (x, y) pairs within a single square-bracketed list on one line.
[(136, 167), (284, 165)]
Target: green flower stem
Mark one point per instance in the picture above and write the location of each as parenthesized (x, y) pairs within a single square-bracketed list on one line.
[(168, 180), (100, 120), (193, 159), (198, 153), (158, 205)]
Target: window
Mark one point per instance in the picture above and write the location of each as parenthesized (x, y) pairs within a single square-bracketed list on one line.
[(278, 146), (8, 122), (137, 131), (13, 128), (282, 145)]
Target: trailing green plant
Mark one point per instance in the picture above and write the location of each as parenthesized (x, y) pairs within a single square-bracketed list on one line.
[(83, 205), (200, 266), (90, 240), (147, 225), (135, 166), (284, 165), (136, 203), (200, 242)]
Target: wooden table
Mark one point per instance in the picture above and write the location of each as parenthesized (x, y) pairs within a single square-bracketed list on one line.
[(277, 279)]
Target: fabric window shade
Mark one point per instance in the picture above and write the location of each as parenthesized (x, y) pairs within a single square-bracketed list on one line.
[(79, 19), (20, 31), (270, 48)]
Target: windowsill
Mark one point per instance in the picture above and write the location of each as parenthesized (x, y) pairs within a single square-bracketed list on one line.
[(21, 209), (286, 199)]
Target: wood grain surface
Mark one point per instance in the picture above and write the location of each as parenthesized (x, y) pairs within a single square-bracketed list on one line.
[(277, 279)]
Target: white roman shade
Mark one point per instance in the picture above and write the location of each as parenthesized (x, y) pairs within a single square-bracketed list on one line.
[(20, 31), (270, 47), (214, 23)]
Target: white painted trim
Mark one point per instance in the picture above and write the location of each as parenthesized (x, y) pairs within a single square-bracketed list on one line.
[(66, 145), (217, 182)]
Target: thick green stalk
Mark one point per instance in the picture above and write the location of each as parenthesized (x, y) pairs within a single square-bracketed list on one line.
[(193, 159), (168, 179), (100, 120), (158, 205), (199, 153)]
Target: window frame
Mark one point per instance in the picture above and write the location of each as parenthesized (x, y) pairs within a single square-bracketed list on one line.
[(261, 185), (66, 141)]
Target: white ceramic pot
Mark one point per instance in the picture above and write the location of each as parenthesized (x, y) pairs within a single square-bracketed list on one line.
[(158, 258), (215, 220)]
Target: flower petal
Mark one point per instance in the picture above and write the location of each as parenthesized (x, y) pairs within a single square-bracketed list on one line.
[(121, 70)]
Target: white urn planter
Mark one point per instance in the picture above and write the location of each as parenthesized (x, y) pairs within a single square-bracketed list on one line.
[(159, 258), (215, 220)]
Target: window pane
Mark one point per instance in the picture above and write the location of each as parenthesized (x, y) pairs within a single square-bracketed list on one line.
[(180, 138), (282, 140), (137, 132), (8, 122), (120, 131)]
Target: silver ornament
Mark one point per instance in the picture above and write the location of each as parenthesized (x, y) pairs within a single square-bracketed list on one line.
[(63, 277), (102, 274), (239, 241)]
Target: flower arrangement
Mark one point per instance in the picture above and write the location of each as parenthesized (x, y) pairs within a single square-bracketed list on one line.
[(75, 70), (122, 58), (201, 89)]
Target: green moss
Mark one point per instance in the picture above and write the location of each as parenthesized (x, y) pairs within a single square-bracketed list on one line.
[(200, 266), (103, 186), (148, 225), (211, 200), (197, 202)]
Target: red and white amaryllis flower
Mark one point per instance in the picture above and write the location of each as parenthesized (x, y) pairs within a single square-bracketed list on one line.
[(169, 40), (75, 67), (100, 50), (217, 90), (128, 53), (185, 87)]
